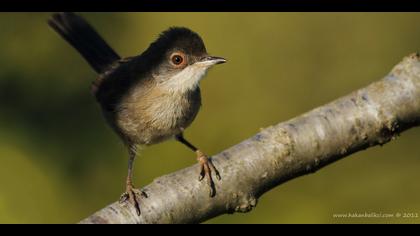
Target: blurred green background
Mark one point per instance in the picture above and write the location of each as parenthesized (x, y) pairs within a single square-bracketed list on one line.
[(60, 162)]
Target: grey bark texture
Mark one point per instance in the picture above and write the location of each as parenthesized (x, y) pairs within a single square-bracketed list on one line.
[(367, 117)]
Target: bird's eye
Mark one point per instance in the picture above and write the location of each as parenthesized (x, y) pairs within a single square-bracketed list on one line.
[(177, 59)]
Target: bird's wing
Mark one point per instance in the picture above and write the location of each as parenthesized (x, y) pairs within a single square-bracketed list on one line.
[(112, 70)]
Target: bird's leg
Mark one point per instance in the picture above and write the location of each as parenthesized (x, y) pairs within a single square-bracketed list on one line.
[(131, 194), (206, 166)]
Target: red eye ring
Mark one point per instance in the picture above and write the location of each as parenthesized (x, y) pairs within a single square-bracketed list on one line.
[(177, 59)]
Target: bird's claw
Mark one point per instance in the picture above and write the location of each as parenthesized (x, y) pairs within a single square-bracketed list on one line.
[(131, 194), (206, 168)]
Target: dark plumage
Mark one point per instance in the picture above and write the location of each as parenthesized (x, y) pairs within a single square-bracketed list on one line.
[(146, 98), (176, 38), (76, 31)]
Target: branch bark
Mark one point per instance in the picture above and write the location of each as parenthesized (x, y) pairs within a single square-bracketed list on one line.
[(367, 117)]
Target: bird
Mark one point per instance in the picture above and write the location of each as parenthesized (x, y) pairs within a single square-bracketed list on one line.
[(147, 98)]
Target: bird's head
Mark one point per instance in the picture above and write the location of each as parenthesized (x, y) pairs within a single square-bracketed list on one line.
[(180, 59)]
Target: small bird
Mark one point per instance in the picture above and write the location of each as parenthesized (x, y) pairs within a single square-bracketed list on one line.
[(148, 98)]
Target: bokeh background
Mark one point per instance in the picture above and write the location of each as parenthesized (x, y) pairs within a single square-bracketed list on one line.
[(60, 162)]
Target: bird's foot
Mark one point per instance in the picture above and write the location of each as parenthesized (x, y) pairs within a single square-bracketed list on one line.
[(132, 196), (206, 168)]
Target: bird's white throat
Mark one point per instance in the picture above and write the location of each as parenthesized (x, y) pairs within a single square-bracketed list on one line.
[(187, 79)]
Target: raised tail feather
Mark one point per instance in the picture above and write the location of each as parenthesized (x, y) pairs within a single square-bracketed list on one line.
[(77, 32)]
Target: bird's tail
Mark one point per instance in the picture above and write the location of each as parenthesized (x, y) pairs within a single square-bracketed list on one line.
[(77, 32)]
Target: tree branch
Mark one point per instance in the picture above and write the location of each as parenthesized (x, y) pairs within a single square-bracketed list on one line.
[(370, 116)]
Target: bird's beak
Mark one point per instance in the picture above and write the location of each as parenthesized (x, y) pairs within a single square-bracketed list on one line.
[(214, 60), (210, 60)]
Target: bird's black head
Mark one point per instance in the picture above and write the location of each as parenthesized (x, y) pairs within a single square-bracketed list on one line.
[(182, 39), (180, 57), (178, 40)]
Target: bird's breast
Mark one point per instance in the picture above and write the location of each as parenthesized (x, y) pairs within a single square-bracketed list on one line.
[(158, 115)]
